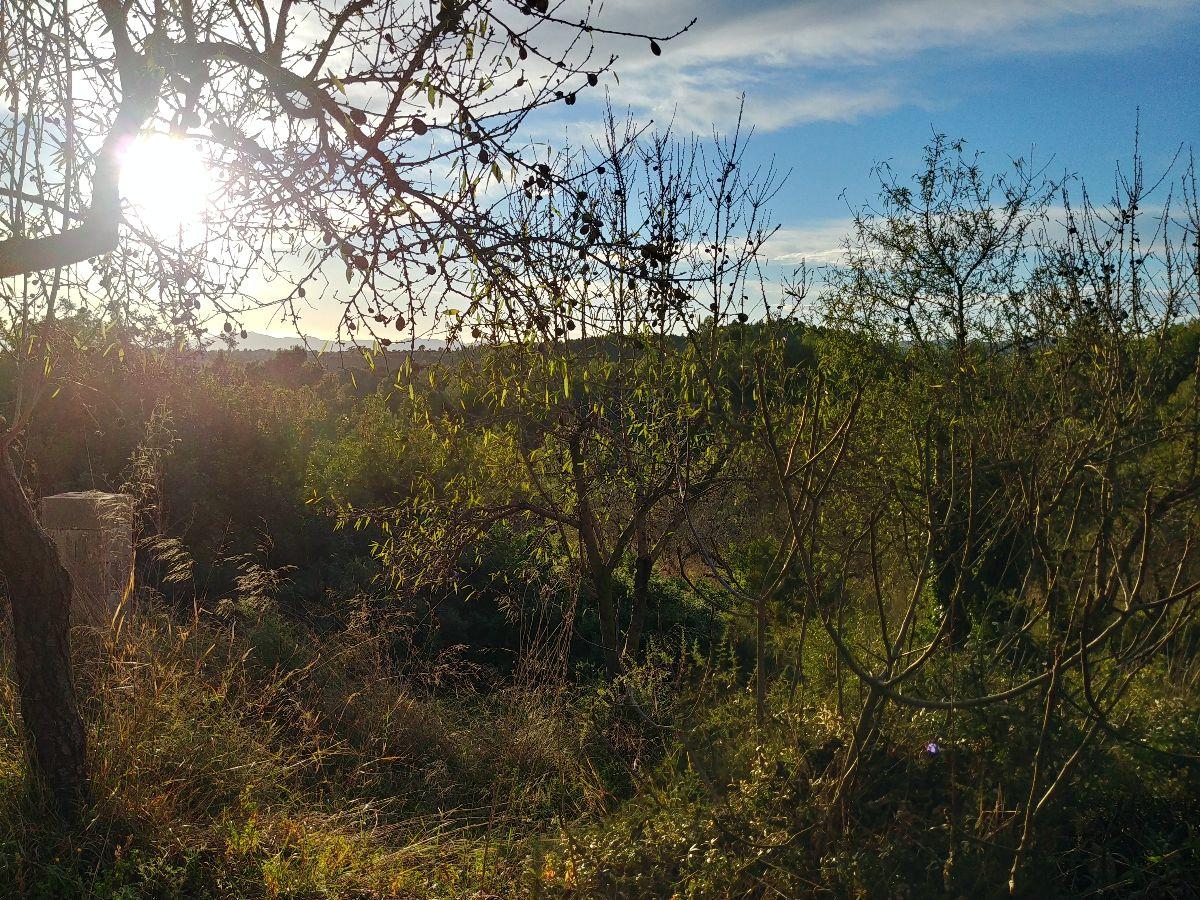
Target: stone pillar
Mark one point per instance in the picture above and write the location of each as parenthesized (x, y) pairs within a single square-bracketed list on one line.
[(94, 535)]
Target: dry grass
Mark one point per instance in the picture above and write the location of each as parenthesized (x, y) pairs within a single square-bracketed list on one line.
[(219, 771)]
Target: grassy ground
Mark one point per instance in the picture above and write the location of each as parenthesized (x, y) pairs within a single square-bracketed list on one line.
[(240, 758), (222, 770)]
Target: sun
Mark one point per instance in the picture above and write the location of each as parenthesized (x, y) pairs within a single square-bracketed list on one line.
[(166, 182)]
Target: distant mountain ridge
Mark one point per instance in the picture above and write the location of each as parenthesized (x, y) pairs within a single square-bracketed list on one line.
[(255, 340)]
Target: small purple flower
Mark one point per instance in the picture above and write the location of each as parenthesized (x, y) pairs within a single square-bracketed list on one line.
[(932, 748)]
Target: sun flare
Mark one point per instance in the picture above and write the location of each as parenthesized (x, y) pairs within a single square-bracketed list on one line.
[(166, 182)]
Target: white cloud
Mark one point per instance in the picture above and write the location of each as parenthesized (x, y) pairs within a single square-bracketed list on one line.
[(817, 243), (697, 102), (840, 32), (840, 60)]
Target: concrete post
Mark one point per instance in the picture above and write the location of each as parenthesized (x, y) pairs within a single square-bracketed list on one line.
[(94, 535)]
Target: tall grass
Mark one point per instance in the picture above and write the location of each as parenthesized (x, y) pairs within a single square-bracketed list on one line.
[(239, 757), (242, 755)]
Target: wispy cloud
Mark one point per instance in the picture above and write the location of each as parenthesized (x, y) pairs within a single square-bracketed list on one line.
[(839, 60), (817, 243), (697, 99)]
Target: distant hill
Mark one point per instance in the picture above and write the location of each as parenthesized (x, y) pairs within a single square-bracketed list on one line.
[(255, 341)]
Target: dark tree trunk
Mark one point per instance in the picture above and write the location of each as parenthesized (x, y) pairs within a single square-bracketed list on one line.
[(39, 591), (950, 543), (643, 566), (760, 660), (951, 597), (597, 568), (606, 609)]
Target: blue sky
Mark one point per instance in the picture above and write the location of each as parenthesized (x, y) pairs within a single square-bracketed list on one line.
[(834, 87)]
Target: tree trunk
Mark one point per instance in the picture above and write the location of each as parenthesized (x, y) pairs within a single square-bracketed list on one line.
[(951, 597), (39, 591), (950, 542), (606, 609), (760, 660), (643, 566), (596, 566)]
